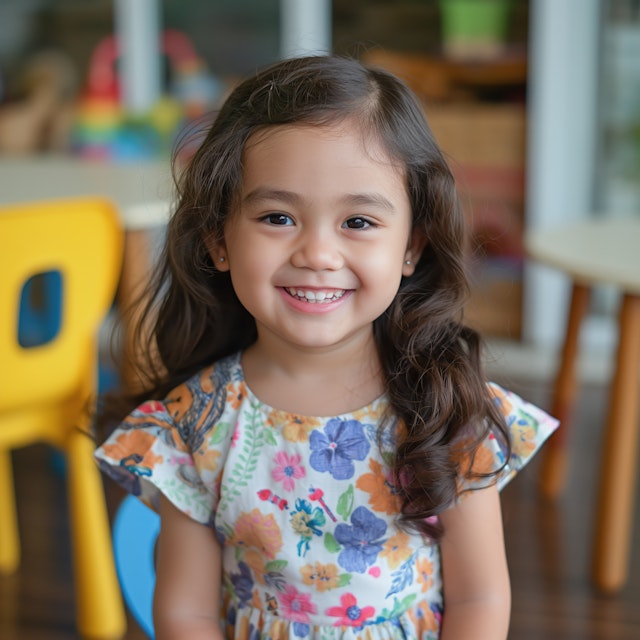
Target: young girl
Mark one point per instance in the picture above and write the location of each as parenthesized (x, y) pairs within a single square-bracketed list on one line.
[(316, 434)]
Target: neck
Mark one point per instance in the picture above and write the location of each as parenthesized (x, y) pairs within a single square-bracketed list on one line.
[(318, 382)]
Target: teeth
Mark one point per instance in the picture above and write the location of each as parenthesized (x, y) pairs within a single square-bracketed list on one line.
[(316, 296)]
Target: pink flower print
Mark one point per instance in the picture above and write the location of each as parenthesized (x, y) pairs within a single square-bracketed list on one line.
[(295, 605), (350, 614), (152, 406), (287, 470), (235, 436)]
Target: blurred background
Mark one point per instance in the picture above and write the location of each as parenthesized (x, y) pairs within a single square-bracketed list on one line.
[(536, 104)]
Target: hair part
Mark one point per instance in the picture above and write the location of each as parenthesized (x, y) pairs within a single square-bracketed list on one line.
[(431, 361)]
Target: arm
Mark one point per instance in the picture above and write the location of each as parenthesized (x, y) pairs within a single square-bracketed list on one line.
[(477, 593), (188, 577)]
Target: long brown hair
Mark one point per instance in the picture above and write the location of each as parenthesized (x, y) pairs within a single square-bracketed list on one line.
[(431, 361)]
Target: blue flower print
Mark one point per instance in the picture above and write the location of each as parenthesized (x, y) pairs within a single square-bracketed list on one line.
[(123, 476), (243, 584), (300, 630), (335, 448), (362, 540)]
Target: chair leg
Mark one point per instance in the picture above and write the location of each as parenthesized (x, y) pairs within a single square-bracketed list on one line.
[(100, 610), (9, 534), (614, 516), (554, 461)]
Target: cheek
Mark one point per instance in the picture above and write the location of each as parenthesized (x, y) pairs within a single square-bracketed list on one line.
[(382, 277), (251, 273), (385, 261)]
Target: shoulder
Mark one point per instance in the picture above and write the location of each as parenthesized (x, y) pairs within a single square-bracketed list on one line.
[(194, 407), (518, 411), (205, 390), (527, 428)]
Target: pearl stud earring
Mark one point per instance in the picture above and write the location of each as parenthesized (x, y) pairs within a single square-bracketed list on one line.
[(407, 261), (221, 259)]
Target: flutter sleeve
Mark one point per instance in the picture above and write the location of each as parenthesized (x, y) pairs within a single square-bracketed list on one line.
[(528, 426), (175, 447)]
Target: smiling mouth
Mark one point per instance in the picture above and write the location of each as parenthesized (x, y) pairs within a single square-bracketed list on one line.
[(316, 297)]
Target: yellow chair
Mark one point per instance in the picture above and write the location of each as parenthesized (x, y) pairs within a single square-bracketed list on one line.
[(45, 390)]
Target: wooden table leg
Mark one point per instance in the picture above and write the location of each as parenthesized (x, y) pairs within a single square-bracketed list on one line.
[(554, 462), (614, 516)]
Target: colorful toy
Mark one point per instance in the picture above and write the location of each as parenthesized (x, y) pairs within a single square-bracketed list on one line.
[(104, 129)]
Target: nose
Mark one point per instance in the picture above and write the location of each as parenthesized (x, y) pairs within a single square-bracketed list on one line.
[(319, 250)]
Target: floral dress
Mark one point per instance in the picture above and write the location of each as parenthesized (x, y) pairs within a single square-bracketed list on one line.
[(303, 507)]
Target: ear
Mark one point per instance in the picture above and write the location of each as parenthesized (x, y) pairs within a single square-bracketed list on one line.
[(417, 243), (218, 252)]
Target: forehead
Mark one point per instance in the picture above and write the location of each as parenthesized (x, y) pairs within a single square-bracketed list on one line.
[(324, 149)]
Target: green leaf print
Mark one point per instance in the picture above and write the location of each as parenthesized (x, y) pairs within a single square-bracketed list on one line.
[(276, 566), (219, 434), (344, 579), (270, 438), (226, 530), (399, 607), (186, 498), (345, 503), (529, 419), (331, 544), (252, 441)]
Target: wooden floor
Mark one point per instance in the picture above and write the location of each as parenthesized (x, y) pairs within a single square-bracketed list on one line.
[(548, 547)]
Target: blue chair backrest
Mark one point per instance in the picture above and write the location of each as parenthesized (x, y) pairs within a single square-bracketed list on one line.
[(135, 531)]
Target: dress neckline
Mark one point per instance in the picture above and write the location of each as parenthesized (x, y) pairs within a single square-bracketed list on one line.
[(373, 407)]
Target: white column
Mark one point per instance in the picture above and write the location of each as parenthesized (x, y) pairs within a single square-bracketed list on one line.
[(305, 27), (137, 25), (562, 132)]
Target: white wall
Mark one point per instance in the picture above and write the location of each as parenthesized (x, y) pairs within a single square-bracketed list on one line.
[(562, 133), (305, 27)]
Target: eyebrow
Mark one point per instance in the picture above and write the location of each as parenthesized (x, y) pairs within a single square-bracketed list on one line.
[(369, 199), (263, 193), (289, 197)]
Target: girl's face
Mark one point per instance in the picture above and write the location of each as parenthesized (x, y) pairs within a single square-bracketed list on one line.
[(319, 237)]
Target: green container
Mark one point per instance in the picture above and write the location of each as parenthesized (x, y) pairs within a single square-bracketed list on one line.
[(474, 28)]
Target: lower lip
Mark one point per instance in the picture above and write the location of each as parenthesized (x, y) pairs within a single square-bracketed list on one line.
[(313, 307)]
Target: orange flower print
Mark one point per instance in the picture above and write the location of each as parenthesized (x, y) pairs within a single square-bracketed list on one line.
[(424, 570), (294, 428), (424, 617), (136, 446), (473, 463), (235, 393), (297, 429), (396, 550), (500, 398), (257, 531), (206, 380), (370, 413), (483, 460), (322, 577), (378, 485), (523, 438), (179, 401), (255, 561), (207, 459)]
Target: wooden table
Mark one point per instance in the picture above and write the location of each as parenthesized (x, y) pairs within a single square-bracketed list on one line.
[(603, 251)]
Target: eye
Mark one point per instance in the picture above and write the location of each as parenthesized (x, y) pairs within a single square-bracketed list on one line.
[(278, 219), (357, 223)]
